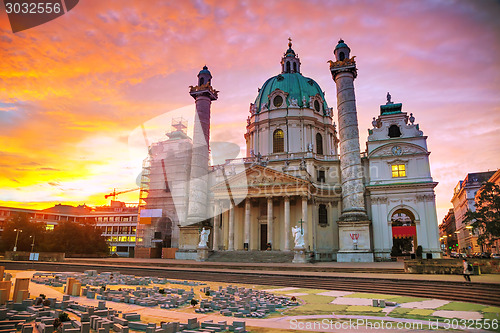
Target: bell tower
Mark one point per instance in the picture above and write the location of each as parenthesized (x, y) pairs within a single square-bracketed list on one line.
[(354, 225)]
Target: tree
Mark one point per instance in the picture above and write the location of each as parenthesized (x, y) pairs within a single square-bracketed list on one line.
[(21, 221), (485, 221)]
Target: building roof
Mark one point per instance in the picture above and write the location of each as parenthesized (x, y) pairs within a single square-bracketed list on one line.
[(295, 84)]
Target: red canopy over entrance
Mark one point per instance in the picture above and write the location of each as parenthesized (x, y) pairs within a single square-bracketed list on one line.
[(404, 232)]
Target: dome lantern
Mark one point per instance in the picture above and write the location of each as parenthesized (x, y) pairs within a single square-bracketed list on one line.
[(290, 63), (342, 51)]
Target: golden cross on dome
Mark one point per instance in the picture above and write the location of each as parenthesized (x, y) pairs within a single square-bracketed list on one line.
[(289, 42)]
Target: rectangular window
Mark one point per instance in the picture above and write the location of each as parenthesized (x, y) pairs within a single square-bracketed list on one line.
[(321, 176), (398, 170)]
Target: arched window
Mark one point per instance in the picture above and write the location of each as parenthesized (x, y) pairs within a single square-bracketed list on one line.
[(341, 56), (202, 81), (278, 141), (319, 144), (288, 66), (394, 131), (322, 215), (295, 67)]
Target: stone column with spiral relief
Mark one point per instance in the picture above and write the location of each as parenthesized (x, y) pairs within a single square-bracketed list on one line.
[(353, 221)]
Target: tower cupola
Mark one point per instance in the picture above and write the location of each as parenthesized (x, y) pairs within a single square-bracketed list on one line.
[(204, 76), (290, 63), (342, 51)]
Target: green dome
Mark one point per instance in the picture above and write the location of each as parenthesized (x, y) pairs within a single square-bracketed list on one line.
[(294, 84), (341, 44)]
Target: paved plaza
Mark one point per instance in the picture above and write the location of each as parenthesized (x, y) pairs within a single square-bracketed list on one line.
[(130, 303)]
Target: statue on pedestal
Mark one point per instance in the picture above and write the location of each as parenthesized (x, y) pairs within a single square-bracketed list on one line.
[(298, 237), (204, 237)]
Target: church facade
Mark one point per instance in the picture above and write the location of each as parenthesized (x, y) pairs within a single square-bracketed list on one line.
[(303, 170)]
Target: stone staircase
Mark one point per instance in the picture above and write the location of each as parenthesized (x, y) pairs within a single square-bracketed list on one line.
[(251, 256)]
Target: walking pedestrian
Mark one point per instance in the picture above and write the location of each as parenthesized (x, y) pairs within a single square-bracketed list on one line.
[(467, 270)]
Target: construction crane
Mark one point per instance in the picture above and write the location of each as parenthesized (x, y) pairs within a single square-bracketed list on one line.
[(114, 193)]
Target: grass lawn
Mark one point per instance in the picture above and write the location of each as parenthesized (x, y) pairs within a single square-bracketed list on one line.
[(360, 310), (422, 314), (492, 309), (461, 306), (315, 305), (407, 299)]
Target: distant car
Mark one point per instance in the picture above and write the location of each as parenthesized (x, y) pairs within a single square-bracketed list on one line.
[(495, 256), (454, 255)]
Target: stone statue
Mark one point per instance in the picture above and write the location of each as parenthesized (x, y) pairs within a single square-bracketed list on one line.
[(389, 98), (302, 164), (293, 102), (304, 102), (412, 119), (374, 123), (264, 107), (310, 147), (298, 236), (204, 237)]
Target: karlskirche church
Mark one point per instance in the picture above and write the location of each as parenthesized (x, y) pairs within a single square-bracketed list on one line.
[(301, 171)]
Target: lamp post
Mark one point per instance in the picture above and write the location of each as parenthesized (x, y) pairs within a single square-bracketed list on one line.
[(17, 236), (33, 243)]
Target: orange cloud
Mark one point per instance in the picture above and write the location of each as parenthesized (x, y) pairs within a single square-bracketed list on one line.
[(72, 90)]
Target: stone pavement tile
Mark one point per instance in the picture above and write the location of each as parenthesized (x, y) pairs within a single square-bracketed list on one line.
[(430, 304), (281, 289), (335, 293), (297, 294), (466, 315), (352, 301)]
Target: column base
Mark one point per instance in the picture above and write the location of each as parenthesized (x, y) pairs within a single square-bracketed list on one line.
[(299, 256), (202, 253)]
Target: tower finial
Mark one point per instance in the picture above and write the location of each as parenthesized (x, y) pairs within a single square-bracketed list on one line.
[(289, 42)]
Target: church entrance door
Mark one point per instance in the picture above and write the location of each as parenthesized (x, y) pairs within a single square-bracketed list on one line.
[(263, 237)]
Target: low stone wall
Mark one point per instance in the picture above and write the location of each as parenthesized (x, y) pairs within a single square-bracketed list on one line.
[(450, 266), (43, 256)]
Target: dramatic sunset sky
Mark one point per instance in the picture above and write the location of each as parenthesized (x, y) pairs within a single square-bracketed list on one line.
[(74, 91)]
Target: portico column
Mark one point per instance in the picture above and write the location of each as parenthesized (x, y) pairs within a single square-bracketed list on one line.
[(247, 224), (304, 220), (270, 221), (287, 224), (230, 246), (217, 218)]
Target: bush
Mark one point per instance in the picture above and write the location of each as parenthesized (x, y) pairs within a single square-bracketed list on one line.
[(42, 296), (161, 291), (194, 302), (46, 302), (63, 317), (207, 293)]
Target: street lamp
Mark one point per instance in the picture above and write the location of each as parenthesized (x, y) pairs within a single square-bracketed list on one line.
[(33, 244), (17, 236)]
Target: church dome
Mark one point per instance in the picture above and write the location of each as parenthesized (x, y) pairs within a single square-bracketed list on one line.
[(296, 86)]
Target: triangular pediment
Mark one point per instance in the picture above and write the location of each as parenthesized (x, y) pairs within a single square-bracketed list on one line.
[(258, 176)]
